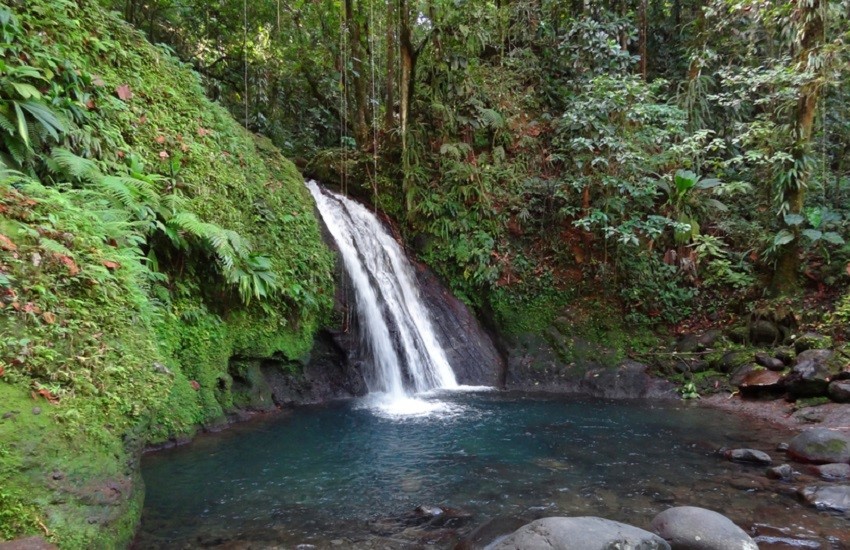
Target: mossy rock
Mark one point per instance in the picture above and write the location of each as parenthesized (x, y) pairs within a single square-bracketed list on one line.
[(811, 340)]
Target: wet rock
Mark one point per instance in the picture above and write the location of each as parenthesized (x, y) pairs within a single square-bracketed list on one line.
[(834, 498), (812, 371), (748, 456), (785, 354), (693, 528), (782, 447), (839, 390), (739, 334), (626, 381), (764, 332), (734, 359), (30, 543), (767, 361), (580, 533), (820, 446), (783, 472), (833, 472), (769, 537), (687, 343), (810, 341), (489, 531), (739, 374), (709, 338), (761, 382)]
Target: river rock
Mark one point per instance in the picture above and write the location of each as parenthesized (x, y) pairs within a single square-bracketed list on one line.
[(693, 528), (759, 382), (580, 533), (764, 332), (811, 340), (820, 446), (839, 390), (769, 362), (812, 372), (833, 472), (732, 360), (749, 456), (834, 498), (739, 374), (709, 338), (785, 354), (783, 472)]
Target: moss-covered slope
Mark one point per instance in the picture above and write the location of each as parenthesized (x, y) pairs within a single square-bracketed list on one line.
[(145, 240)]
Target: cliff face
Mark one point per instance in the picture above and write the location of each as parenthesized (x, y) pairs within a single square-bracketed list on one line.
[(150, 249)]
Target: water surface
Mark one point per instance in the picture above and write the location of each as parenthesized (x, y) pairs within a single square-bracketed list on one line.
[(348, 475)]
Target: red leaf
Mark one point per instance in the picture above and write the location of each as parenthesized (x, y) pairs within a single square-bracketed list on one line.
[(195, 385), (7, 244), (847, 269), (49, 318), (2, 370), (97, 81), (163, 155), (124, 92), (69, 263), (90, 104), (202, 131), (109, 264), (160, 139)]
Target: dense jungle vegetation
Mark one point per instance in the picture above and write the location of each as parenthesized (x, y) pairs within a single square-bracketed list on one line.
[(661, 161), (683, 156)]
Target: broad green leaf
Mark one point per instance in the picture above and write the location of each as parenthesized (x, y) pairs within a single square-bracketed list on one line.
[(22, 125), (794, 219), (26, 91), (833, 238), (708, 183), (783, 237), (812, 234), (684, 180)]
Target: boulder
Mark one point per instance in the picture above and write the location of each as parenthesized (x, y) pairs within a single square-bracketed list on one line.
[(761, 382), (839, 390), (785, 354), (833, 472), (767, 361), (764, 332), (833, 498), (748, 456), (813, 369), (733, 359), (811, 340), (783, 472), (739, 374), (580, 533), (709, 338), (693, 528), (820, 446)]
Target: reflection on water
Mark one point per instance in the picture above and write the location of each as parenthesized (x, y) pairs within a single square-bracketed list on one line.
[(348, 472)]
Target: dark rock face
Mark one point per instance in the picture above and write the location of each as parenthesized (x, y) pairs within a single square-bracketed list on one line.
[(812, 372), (469, 348), (748, 456), (834, 498), (581, 533), (326, 376), (763, 331), (692, 528), (820, 446), (833, 472)]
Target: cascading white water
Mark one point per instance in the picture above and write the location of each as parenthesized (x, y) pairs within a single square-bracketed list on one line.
[(387, 298)]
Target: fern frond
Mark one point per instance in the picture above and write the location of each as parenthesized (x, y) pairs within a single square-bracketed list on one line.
[(74, 165)]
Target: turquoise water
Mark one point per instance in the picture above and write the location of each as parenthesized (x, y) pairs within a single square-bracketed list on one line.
[(347, 475)]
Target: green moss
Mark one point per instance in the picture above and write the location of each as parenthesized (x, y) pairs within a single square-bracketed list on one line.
[(129, 329)]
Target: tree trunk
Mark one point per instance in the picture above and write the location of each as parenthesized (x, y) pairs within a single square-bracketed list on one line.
[(786, 276), (358, 80), (642, 38), (389, 94)]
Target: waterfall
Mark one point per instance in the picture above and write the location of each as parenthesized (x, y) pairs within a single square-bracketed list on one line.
[(396, 332)]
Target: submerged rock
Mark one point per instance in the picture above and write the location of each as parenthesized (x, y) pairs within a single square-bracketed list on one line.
[(749, 456), (820, 446), (783, 472), (580, 533), (833, 472), (833, 498), (693, 528)]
